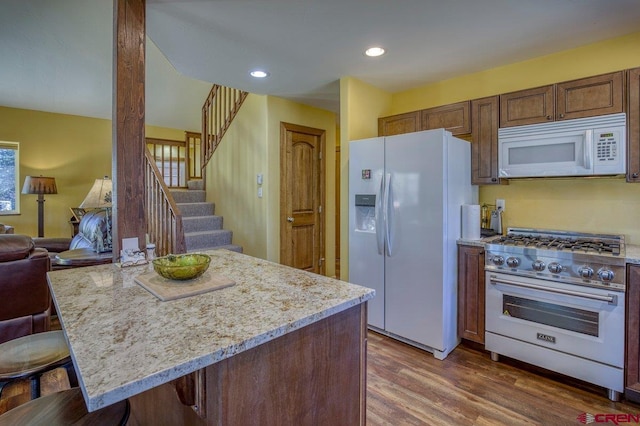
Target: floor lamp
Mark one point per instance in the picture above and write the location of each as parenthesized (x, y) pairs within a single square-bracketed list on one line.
[(40, 185)]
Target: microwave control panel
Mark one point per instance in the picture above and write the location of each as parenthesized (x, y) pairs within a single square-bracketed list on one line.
[(607, 146)]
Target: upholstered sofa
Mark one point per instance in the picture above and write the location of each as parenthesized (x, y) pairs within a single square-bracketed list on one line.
[(24, 292), (94, 232)]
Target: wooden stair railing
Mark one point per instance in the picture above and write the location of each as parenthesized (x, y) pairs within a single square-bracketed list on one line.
[(218, 112), (164, 220)]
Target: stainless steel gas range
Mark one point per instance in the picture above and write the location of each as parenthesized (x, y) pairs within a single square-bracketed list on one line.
[(556, 299)]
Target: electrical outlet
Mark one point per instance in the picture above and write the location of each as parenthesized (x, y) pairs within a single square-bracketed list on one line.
[(259, 192), (500, 204), (259, 179)]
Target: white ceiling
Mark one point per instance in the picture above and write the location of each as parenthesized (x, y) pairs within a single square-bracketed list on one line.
[(56, 54)]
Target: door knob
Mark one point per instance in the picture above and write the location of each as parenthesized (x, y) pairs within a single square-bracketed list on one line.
[(289, 219)]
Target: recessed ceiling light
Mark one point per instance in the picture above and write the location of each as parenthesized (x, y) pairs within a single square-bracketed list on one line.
[(259, 74), (374, 51)]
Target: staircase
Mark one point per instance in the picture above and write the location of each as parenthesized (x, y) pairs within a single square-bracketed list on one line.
[(180, 220), (202, 228)]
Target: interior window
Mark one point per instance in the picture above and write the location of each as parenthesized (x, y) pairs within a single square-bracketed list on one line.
[(9, 178)]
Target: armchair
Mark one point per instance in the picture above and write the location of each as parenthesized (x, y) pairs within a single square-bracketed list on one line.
[(24, 291)]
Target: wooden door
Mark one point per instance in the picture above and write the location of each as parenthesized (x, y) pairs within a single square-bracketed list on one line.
[(484, 147), (399, 124), (587, 97), (529, 106), (302, 197), (453, 117)]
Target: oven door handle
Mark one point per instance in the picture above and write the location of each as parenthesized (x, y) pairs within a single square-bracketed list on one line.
[(611, 299)]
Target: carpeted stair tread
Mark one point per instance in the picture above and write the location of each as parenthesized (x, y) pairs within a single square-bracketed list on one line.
[(198, 240), (201, 223), (231, 247), (189, 196), (196, 209)]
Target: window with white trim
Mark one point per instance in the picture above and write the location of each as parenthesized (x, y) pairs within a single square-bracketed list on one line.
[(9, 178)]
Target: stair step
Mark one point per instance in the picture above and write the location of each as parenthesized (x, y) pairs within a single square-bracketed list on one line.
[(189, 195), (208, 239), (195, 184), (231, 247), (201, 223), (197, 209)]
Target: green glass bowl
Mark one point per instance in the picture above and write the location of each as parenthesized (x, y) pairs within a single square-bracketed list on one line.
[(181, 266)]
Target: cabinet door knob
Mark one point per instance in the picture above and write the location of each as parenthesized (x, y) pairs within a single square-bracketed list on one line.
[(561, 115), (290, 219), (635, 175), (494, 180), (549, 117)]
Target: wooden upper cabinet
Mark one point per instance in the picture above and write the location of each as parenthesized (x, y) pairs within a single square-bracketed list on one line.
[(529, 106), (398, 124), (633, 142), (454, 118), (484, 145), (585, 97)]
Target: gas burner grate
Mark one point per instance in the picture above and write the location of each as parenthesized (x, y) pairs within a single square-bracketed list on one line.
[(577, 244)]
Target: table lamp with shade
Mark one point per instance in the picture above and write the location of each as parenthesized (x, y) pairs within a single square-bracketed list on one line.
[(99, 197), (40, 185)]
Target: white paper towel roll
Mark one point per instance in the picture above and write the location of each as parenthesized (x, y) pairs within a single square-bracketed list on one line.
[(471, 221)]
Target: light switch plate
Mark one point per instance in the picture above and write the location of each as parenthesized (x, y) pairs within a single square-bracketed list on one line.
[(500, 204)]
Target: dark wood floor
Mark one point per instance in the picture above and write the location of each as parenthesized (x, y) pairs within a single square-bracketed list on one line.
[(407, 386)]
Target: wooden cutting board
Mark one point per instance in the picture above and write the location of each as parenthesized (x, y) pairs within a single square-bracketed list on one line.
[(165, 289)]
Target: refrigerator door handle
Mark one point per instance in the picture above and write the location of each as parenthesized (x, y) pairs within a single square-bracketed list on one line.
[(379, 218), (388, 215)]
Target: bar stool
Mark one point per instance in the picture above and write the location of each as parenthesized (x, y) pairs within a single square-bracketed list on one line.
[(31, 356), (65, 408)]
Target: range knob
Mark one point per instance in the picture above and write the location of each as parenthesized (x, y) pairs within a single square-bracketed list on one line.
[(497, 260), (513, 262), (585, 272), (538, 265), (555, 268), (605, 274)]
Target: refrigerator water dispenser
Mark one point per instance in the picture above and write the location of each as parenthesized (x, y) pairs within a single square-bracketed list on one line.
[(366, 212)]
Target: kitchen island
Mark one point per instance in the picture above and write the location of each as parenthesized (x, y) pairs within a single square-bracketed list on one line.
[(281, 346)]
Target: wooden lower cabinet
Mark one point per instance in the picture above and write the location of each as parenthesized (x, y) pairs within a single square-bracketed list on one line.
[(471, 292), (315, 375), (633, 113), (632, 358)]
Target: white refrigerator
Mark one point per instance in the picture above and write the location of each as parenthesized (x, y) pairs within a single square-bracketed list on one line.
[(405, 198)]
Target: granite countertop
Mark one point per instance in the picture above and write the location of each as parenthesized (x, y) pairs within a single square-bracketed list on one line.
[(124, 340), (632, 253)]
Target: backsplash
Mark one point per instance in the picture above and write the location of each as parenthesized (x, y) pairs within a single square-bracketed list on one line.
[(597, 205)]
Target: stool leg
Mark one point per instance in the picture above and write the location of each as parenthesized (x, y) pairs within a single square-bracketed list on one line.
[(71, 374), (35, 386), (2, 385)]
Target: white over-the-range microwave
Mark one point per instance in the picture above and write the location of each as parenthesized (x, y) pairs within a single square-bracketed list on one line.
[(593, 146)]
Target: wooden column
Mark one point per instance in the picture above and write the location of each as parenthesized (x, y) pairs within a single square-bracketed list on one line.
[(128, 122)]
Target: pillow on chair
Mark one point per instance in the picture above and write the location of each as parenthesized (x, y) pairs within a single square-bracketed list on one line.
[(94, 232)]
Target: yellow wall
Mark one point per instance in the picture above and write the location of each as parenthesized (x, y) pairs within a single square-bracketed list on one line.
[(231, 177), (599, 58), (250, 147), (75, 150), (360, 106)]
